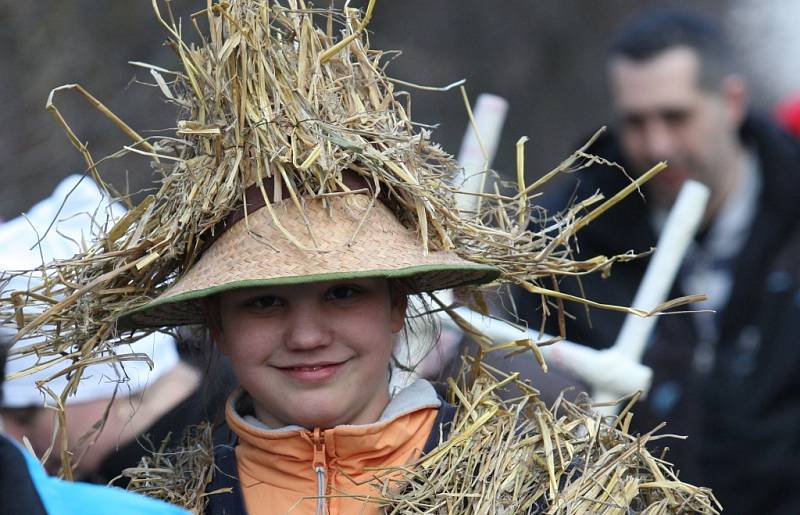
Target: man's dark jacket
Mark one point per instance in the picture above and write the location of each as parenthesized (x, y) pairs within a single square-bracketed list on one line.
[(743, 415)]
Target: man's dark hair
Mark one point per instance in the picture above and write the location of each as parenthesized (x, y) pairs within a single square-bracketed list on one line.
[(659, 30)]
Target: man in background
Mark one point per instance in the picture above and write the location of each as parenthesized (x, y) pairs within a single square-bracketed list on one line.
[(729, 378)]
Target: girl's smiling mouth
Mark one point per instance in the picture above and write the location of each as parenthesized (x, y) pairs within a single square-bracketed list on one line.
[(312, 372)]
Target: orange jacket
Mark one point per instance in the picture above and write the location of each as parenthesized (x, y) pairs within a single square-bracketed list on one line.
[(280, 471)]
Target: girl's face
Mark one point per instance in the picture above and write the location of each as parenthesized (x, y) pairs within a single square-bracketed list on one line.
[(313, 355)]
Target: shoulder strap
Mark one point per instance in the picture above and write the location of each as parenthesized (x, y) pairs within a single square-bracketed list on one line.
[(226, 475)]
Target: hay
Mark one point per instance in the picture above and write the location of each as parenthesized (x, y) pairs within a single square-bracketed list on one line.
[(519, 456), (177, 474)]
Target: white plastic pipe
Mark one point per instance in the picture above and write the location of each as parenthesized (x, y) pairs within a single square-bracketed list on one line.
[(679, 230), (617, 372), (597, 368), (490, 115)]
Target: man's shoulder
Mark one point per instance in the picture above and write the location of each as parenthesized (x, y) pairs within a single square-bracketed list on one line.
[(777, 150), (759, 128), (778, 157)]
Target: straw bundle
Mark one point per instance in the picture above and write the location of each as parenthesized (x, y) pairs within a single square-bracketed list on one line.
[(177, 475), (267, 97), (519, 456)]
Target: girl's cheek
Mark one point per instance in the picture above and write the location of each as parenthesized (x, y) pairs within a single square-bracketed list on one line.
[(256, 340)]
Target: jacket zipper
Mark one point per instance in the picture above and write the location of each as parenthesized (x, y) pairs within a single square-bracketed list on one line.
[(319, 468)]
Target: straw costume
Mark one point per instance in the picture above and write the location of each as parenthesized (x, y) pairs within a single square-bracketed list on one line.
[(294, 162)]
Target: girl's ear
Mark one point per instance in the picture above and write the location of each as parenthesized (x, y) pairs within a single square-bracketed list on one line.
[(398, 314), (214, 322)]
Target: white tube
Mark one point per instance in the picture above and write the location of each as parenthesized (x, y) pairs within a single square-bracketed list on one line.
[(490, 114), (679, 230), (600, 369)]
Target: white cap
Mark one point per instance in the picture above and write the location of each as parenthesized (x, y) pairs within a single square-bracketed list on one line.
[(76, 209)]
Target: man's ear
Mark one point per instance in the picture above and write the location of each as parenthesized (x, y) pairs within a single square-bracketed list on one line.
[(214, 322), (398, 314), (735, 94)]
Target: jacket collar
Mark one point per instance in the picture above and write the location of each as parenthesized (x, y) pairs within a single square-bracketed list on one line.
[(284, 456)]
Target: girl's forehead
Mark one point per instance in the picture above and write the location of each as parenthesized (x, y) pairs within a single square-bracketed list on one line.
[(310, 288)]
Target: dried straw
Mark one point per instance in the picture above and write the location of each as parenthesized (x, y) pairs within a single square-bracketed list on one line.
[(177, 474), (519, 456)]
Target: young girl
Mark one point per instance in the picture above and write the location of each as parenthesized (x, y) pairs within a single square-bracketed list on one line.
[(310, 336), (298, 209)]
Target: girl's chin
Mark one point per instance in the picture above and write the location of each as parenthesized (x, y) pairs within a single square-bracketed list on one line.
[(321, 420), (324, 414), (339, 404), (316, 412)]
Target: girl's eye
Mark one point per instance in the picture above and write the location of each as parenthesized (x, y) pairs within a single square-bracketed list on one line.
[(341, 293), (266, 302)]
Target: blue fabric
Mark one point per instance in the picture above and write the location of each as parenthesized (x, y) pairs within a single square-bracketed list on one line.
[(68, 498)]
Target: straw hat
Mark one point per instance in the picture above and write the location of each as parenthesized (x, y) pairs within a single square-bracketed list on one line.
[(283, 99), (348, 236)]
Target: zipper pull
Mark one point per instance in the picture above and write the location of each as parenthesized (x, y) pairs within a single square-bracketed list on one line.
[(319, 465), (319, 449)]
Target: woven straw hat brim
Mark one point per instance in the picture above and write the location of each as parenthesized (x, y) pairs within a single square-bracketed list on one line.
[(353, 237)]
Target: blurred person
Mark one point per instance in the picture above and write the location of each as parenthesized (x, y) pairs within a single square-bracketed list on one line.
[(26, 489), (728, 378), (117, 401), (114, 406)]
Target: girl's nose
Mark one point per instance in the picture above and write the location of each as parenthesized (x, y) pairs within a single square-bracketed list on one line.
[(307, 328)]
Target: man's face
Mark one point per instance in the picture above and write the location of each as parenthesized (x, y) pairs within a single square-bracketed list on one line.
[(664, 115)]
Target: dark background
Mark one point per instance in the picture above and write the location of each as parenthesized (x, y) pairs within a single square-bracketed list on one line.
[(544, 56)]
